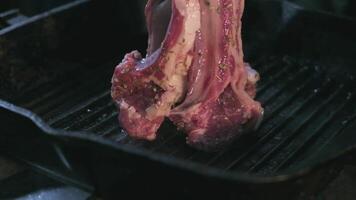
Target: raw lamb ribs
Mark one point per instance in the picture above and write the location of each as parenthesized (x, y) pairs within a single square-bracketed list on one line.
[(193, 73)]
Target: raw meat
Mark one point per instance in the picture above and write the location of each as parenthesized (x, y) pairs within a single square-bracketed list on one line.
[(193, 73)]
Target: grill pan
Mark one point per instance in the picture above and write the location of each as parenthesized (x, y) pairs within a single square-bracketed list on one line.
[(57, 115)]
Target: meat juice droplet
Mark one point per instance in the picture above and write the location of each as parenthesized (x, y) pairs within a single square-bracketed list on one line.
[(317, 68), (349, 95)]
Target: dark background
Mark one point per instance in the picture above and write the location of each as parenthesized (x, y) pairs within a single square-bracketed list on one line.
[(339, 7), (343, 187)]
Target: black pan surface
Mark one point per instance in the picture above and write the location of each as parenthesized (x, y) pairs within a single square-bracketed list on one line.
[(55, 103)]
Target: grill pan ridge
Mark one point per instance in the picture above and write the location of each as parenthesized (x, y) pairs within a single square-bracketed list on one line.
[(309, 105)]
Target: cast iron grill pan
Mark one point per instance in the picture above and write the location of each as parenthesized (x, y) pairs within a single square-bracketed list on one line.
[(308, 94), (304, 109)]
